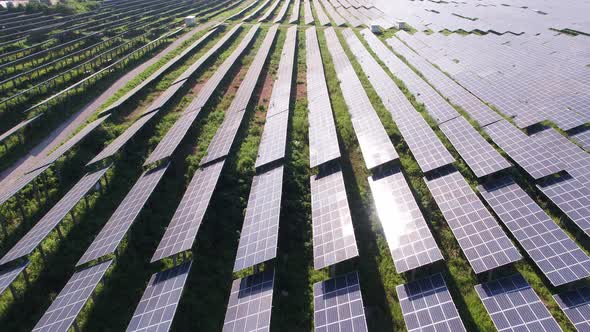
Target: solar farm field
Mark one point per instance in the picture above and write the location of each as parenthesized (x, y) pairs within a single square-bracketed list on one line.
[(295, 165)]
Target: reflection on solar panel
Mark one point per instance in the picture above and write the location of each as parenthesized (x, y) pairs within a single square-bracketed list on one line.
[(295, 13), (482, 240), (183, 228), (20, 183), (159, 301), (533, 157), (113, 232), (555, 253), (571, 197), (225, 135), (427, 305), (64, 309), (374, 142), (250, 303), (42, 228), (479, 155), (409, 239), (122, 139), (323, 139), (338, 305), (576, 305), (7, 275), (514, 305), (333, 234), (258, 239)]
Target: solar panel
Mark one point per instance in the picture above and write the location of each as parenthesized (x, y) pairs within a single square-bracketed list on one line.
[(339, 20), (514, 306), (281, 90), (225, 135), (533, 157), (282, 12), (482, 240), (250, 303), (70, 301), (256, 11), (160, 299), (409, 239), (323, 139), (20, 183), (185, 223), (259, 236), (50, 220), (582, 138), (274, 138), (338, 305), (122, 139), (295, 13), (333, 233), (576, 305), (18, 127), (553, 251), (7, 275), (373, 140), (571, 197), (427, 305), (269, 11), (479, 155), (308, 16), (110, 236), (320, 13)]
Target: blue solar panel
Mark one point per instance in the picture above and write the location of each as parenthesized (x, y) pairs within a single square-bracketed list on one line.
[(576, 306)]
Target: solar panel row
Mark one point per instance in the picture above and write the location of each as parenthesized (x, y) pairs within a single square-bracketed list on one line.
[(269, 11), (20, 183), (225, 135), (112, 233), (427, 149), (553, 251), (307, 15), (338, 20), (407, 234), (482, 240), (295, 13), (323, 139), (282, 12), (333, 233), (52, 218), (374, 142), (256, 11), (575, 304), (320, 13), (8, 274)]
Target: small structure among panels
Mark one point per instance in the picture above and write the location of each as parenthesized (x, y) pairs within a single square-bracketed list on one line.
[(158, 304), (43, 227), (427, 305), (338, 305), (183, 228), (482, 240), (7, 275), (113, 232), (69, 302), (250, 303), (553, 251), (409, 239), (514, 306), (260, 232), (576, 306), (333, 233)]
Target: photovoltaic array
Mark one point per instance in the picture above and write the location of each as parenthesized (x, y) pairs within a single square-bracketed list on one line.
[(8, 274), (250, 303), (160, 299), (514, 306), (338, 305), (576, 305), (427, 305)]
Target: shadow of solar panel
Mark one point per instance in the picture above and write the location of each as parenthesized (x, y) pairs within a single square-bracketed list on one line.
[(409, 239), (70, 301), (553, 251), (250, 303), (482, 240), (323, 139), (571, 197), (110, 236), (160, 299), (259, 236), (576, 305), (513, 305), (479, 155), (533, 157), (7, 275), (338, 305), (374, 142), (43, 227), (333, 233), (185, 223), (427, 305)]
